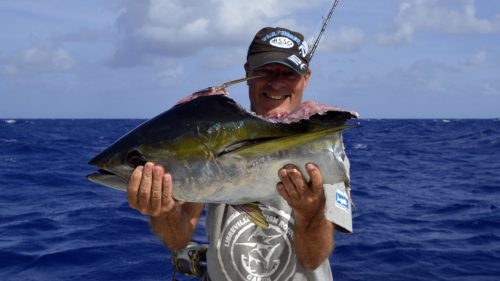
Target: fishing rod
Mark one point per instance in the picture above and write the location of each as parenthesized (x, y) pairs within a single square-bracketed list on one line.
[(233, 82), (323, 28)]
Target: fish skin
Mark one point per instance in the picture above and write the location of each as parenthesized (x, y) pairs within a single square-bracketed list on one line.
[(217, 152)]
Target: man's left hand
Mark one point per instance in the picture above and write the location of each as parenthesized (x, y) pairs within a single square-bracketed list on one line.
[(306, 198)]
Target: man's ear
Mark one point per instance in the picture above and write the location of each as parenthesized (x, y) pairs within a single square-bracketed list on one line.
[(307, 75), (247, 70)]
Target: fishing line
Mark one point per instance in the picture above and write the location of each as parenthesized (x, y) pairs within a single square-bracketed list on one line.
[(323, 28)]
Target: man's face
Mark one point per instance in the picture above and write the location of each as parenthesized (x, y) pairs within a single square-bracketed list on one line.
[(280, 91)]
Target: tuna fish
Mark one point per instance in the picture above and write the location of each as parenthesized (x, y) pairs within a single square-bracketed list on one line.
[(218, 152)]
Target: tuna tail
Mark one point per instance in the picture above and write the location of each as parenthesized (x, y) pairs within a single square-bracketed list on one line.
[(253, 212)]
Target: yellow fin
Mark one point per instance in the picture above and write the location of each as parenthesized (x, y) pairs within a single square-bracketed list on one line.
[(278, 144), (253, 212)]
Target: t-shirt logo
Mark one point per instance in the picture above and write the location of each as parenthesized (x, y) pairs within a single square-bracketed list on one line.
[(249, 252)]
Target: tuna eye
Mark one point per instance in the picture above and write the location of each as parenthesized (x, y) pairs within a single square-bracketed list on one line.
[(135, 158)]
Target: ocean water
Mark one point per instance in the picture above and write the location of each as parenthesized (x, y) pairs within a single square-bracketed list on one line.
[(427, 195)]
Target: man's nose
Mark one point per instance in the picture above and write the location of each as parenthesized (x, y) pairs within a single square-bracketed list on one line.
[(276, 82)]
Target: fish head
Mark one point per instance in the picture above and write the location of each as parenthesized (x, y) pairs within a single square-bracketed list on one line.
[(116, 163), (176, 138), (151, 141)]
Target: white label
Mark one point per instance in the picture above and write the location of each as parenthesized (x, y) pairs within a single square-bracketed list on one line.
[(338, 207), (281, 42)]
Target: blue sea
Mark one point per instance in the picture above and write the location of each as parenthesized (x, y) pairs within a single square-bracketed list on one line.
[(427, 196)]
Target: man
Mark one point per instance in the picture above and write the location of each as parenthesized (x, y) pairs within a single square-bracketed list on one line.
[(299, 239)]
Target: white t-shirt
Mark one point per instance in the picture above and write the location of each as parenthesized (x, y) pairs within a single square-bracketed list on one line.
[(240, 250)]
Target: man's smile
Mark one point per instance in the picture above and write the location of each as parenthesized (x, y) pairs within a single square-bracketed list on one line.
[(279, 97)]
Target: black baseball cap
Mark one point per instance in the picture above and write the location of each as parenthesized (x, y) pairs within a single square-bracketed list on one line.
[(279, 45)]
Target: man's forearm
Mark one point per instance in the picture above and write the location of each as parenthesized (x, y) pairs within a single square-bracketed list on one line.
[(313, 241), (176, 229)]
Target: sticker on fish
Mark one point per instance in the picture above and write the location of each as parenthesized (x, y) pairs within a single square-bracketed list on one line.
[(341, 200), (341, 211)]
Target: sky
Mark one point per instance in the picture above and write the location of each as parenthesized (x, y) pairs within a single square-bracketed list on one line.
[(137, 58)]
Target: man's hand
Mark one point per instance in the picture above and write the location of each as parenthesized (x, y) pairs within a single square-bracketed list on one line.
[(306, 198), (150, 191), (313, 241)]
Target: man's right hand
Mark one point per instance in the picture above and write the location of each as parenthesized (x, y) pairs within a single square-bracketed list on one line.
[(150, 191)]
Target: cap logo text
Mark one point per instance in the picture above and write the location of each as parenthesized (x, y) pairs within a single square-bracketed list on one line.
[(303, 49), (281, 42), (296, 60)]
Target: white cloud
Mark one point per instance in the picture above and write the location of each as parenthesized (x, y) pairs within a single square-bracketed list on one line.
[(238, 16), (80, 36), (478, 58), (424, 77), (174, 22), (171, 72), (458, 17), (181, 28), (8, 69), (38, 60), (347, 39), (488, 89)]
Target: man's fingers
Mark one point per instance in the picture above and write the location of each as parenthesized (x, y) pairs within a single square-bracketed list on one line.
[(133, 186), (167, 202), (316, 180), (304, 197), (282, 191), (150, 190), (288, 185), (144, 193), (298, 180), (156, 190)]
